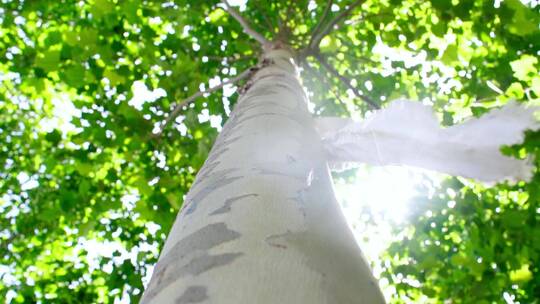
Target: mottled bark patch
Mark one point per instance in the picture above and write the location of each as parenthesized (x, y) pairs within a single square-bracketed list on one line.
[(205, 191), (228, 203), (208, 167), (278, 240), (217, 153), (193, 294), (205, 238), (224, 142), (190, 256), (290, 172), (300, 195), (206, 262), (290, 159), (209, 176)]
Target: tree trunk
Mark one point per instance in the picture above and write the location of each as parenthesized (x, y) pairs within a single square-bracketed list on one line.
[(261, 223)]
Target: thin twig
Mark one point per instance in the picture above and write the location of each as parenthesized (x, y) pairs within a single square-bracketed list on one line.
[(351, 46), (321, 21), (367, 17), (265, 17), (346, 81), (311, 70), (481, 100), (176, 111), (288, 14), (245, 25), (328, 28), (284, 31), (230, 59)]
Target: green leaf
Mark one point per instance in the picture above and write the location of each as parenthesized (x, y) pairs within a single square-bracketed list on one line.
[(129, 112), (53, 38), (54, 137), (521, 275), (49, 60), (216, 15), (524, 21), (450, 55), (68, 200), (74, 76), (113, 77), (102, 8), (515, 90), (84, 168), (439, 29), (524, 68)]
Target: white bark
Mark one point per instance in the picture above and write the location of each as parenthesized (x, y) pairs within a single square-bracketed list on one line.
[(261, 224)]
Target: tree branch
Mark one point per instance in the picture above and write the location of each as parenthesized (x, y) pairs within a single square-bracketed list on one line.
[(321, 22), (346, 82), (319, 36), (269, 23), (284, 30), (311, 70), (230, 59), (176, 111), (245, 25)]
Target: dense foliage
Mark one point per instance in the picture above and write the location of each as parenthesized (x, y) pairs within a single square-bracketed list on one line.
[(82, 172)]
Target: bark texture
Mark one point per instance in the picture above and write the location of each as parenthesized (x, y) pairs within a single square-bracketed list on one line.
[(261, 223)]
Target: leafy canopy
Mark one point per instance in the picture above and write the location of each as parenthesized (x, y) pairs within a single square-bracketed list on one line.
[(84, 84)]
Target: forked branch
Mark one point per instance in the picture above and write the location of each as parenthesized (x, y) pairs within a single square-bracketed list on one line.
[(176, 111), (317, 37), (245, 25), (346, 82), (317, 28)]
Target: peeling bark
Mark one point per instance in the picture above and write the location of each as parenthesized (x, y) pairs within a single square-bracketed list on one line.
[(193, 294)]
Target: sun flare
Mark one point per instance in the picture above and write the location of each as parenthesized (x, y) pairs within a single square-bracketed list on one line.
[(378, 197)]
